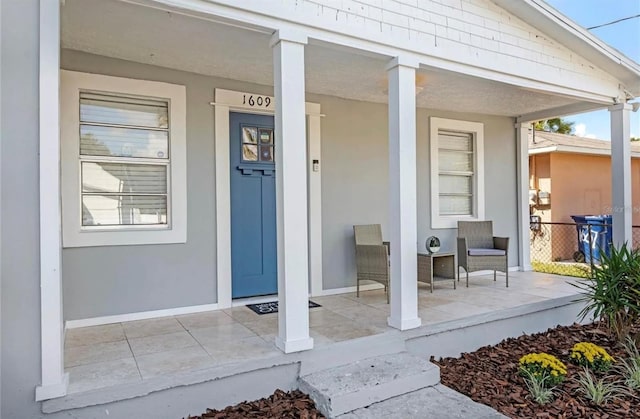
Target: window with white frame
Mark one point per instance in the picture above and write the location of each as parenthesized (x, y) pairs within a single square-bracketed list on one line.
[(457, 171), (123, 161)]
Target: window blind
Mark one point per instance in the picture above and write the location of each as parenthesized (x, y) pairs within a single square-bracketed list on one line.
[(456, 171), (124, 160)]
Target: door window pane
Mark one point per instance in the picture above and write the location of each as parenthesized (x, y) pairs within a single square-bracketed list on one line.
[(266, 136), (257, 144), (250, 152), (249, 135), (266, 153)]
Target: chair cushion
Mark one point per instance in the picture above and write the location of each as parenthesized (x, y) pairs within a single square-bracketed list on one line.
[(475, 251)]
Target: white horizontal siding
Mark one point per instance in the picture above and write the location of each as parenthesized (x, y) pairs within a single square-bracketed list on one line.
[(475, 32)]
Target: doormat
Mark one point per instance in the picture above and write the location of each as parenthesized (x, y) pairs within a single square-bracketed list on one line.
[(272, 307)]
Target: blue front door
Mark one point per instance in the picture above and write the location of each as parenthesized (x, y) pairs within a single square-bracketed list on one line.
[(253, 205)]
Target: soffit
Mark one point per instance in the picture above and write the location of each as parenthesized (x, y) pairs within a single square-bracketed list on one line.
[(151, 36)]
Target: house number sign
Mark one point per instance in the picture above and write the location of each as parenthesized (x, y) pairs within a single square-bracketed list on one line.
[(256, 101), (244, 100)]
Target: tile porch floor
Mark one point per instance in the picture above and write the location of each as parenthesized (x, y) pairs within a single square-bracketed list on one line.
[(102, 356)]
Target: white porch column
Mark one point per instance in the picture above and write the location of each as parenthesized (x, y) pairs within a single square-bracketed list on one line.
[(522, 167), (54, 380), (622, 207), (291, 192), (402, 194)]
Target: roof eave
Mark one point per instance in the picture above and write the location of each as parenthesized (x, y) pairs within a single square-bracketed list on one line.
[(550, 21), (576, 150)]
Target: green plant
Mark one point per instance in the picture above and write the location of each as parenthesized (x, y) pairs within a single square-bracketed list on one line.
[(557, 268), (598, 391), (630, 367), (539, 390), (591, 355), (543, 365), (612, 290), (631, 348), (559, 125)]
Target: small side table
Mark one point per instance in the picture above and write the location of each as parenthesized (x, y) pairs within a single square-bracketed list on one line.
[(441, 265)]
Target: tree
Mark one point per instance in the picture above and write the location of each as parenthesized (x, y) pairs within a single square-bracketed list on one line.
[(635, 138), (559, 125)]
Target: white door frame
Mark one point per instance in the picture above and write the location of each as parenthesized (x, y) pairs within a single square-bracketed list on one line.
[(226, 101)]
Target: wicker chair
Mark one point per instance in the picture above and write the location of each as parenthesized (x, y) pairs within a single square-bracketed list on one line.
[(372, 256), (479, 250)]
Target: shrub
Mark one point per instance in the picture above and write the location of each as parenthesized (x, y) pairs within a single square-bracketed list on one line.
[(539, 390), (591, 355), (612, 291), (630, 367), (631, 373), (598, 391), (566, 269), (543, 365)]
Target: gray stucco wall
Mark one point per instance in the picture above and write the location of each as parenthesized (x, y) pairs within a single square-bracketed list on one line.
[(355, 180), (109, 280), (499, 183), (354, 191), (355, 171), (20, 294)]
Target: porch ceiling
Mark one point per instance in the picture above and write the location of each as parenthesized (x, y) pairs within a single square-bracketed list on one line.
[(136, 33)]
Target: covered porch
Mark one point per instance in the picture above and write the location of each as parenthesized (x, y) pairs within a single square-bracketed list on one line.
[(145, 353), (353, 144)]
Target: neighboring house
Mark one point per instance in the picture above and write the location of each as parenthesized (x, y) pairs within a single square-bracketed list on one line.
[(570, 175), (139, 140)]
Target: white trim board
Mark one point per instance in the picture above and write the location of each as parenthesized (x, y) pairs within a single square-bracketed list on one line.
[(258, 17), (226, 101), (476, 129), (54, 381), (73, 233), (143, 315)]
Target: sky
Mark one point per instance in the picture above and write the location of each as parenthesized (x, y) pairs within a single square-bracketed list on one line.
[(624, 36)]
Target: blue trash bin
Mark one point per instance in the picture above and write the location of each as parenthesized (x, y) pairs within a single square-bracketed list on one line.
[(594, 236)]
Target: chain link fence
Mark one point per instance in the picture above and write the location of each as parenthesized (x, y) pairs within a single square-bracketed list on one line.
[(636, 236), (570, 248)]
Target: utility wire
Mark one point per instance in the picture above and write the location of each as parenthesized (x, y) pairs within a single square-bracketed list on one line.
[(615, 21)]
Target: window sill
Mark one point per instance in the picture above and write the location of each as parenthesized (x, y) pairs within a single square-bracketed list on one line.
[(176, 235)]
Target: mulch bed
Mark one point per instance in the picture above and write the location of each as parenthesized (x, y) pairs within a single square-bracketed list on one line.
[(490, 376), (288, 405)]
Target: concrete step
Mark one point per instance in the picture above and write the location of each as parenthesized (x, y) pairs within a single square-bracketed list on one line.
[(343, 389), (432, 402)]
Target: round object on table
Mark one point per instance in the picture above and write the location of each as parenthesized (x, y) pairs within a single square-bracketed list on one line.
[(432, 244)]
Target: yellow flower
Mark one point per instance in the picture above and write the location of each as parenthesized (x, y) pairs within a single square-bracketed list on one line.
[(539, 364), (587, 353)]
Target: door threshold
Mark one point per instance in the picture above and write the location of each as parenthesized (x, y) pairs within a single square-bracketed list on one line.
[(237, 302)]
